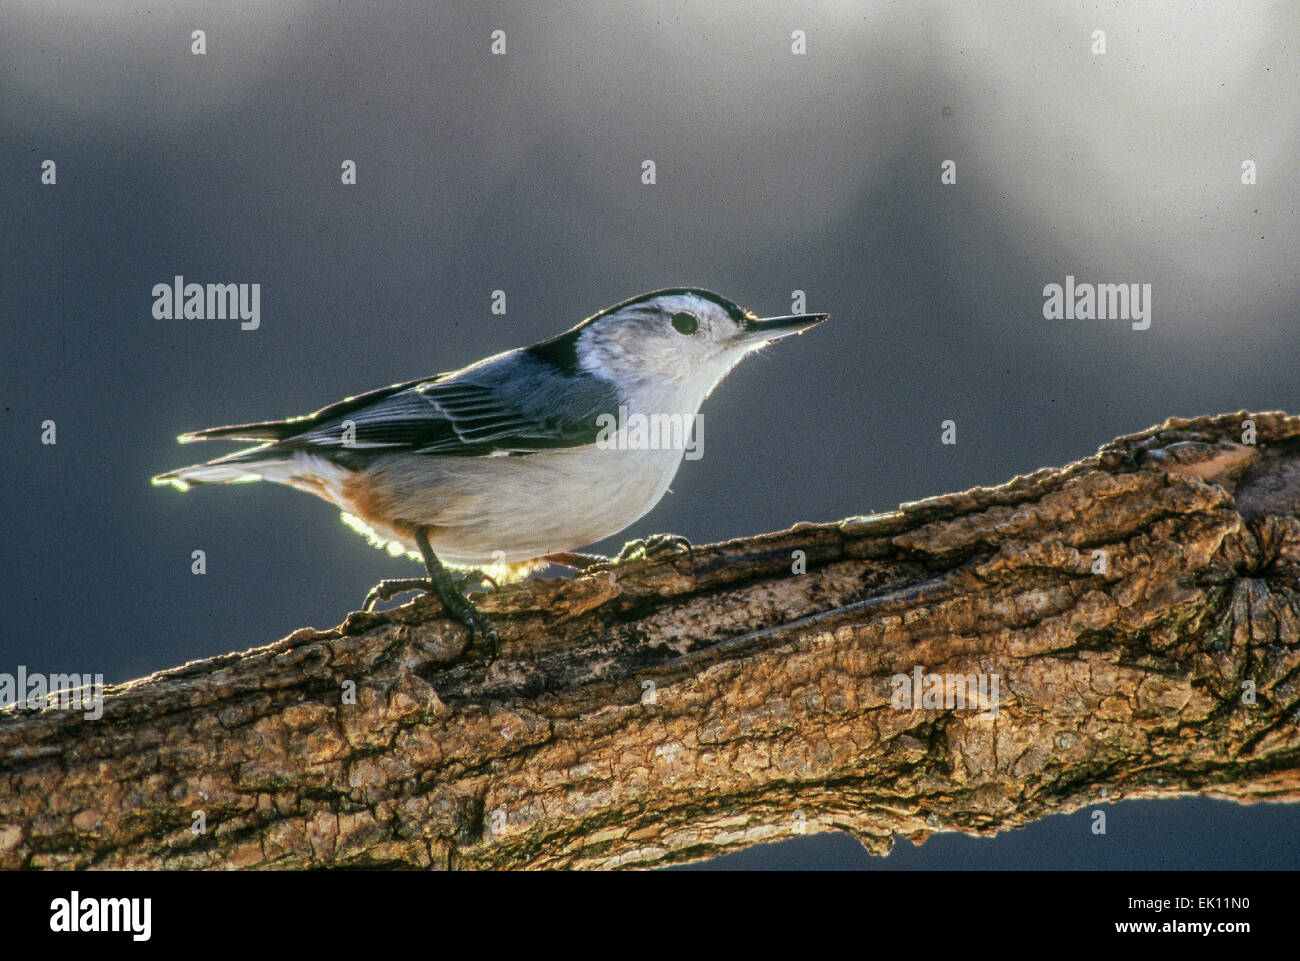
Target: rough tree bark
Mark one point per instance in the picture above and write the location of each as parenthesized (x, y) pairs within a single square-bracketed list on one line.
[(1128, 603)]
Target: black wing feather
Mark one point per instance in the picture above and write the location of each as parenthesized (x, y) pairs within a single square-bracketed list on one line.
[(273, 430), (514, 404)]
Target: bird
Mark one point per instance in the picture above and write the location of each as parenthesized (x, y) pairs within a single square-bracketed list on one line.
[(517, 460)]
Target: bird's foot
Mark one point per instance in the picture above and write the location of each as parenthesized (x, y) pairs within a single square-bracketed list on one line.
[(462, 609), (450, 592), (472, 578), (390, 587), (647, 548), (656, 544)]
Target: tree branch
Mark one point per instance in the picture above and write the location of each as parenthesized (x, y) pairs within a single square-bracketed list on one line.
[(1131, 607)]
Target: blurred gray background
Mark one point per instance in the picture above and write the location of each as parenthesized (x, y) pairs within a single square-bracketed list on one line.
[(775, 172)]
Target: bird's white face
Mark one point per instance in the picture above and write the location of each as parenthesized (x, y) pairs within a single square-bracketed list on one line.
[(678, 341)]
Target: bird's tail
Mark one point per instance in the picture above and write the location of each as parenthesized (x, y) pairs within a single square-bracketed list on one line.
[(267, 430), (243, 466), (238, 468)]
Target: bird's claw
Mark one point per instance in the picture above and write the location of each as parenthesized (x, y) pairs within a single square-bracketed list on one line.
[(596, 564), (473, 578), (462, 609), (386, 590), (456, 604), (656, 544)]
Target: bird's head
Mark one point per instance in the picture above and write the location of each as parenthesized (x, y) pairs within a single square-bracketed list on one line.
[(684, 336)]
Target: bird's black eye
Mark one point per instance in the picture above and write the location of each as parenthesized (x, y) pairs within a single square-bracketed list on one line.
[(685, 323)]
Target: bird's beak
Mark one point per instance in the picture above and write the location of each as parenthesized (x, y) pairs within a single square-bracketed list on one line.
[(774, 328)]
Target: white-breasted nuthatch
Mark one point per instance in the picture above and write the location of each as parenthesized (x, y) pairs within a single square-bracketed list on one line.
[(514, 459)]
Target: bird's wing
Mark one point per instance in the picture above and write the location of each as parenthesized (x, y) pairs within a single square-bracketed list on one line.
[(271, 430), (501, 408)]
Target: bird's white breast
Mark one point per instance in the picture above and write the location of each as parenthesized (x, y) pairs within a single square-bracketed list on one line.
[(486, 510)]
